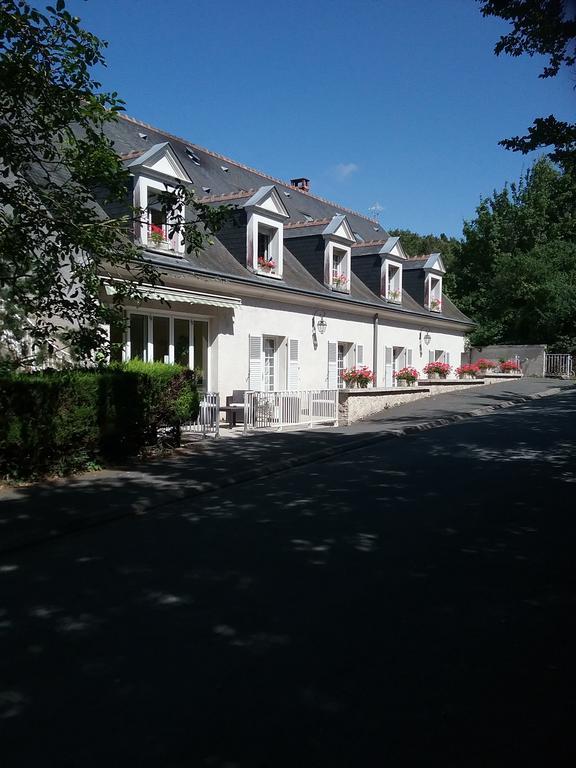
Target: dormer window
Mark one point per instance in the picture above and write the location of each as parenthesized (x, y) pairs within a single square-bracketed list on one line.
[(267, 249), (392, 282), (157, 170), (434, 293), (159, 228), (265, 232), (337, 254), (340, 272)]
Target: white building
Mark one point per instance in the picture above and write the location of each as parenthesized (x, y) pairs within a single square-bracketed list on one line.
[(293, 289)]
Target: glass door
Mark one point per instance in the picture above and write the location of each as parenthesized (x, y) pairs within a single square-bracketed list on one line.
[(269, 359)]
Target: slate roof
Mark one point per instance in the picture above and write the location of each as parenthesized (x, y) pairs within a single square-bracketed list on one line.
[(226, 181)]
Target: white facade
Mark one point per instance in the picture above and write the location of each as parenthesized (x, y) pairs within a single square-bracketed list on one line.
[(272, 345), (277, 313)]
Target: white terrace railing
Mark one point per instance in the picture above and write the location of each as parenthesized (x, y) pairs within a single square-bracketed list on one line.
[(208, 419), (558, 365), (275, 410)]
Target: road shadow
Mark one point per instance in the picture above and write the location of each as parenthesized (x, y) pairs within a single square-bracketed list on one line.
[(407, 604)]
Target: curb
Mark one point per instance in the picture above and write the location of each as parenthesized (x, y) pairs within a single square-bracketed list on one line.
[(352, 444)]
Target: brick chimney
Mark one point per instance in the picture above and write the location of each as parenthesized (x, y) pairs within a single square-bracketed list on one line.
[(301, 184)]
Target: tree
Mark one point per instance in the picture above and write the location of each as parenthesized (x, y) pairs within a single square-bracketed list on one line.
[(515, 273), (56, 242), (548, 28)]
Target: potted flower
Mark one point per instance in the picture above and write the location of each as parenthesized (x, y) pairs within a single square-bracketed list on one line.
[(485, 366), (394, 295), (156, 234), (436, 305), (358, 377), (340, 282), (437, 370), (467, 371), (406, 377), (266, 264), (510, 366)]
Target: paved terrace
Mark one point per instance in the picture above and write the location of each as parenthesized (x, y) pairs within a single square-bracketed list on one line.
[(34, 513)]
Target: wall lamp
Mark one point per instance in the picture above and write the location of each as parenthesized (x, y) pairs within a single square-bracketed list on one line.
[(319, 324), (427, 339)]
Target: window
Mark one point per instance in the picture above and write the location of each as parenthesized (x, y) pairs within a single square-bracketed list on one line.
[(337, 267), (340, 365), (139, 337), (153, 227), (339, 278), (267, 260), (394, 283), (273, 363), (269, 349), (434, 293), (266, 212), (167, 339)]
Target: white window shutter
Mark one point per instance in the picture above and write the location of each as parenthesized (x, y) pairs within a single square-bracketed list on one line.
[(255, 363), (359, 354), (332, 365), (408, 357), (293, 363), (388, 366)]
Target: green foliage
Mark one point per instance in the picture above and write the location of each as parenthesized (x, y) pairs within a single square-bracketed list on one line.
[(515, 272), (65, 421), (546, 28), (58, 174), (174, 399)]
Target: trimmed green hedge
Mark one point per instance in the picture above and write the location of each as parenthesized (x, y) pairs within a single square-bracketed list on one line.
[(62, 421)]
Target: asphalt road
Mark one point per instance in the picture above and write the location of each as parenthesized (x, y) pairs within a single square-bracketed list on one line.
[(410, 603)]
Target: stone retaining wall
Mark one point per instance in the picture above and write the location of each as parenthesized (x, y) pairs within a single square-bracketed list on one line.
[(357, 404)]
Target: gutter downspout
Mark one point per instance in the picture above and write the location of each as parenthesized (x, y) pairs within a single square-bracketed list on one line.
[(375, 350)]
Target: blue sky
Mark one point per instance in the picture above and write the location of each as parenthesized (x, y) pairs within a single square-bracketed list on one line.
[(393, 104)]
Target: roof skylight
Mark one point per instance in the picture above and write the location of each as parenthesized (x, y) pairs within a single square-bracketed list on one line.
[(225, 168), (143, 136), (192, 156), (207, 190)]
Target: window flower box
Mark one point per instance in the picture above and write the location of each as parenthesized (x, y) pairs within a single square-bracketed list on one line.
[(358, 377), (436, 305), (157, 238), (437, 370), (265, 264), (394, 296), (406, 377), (467, 371), (340, 282)]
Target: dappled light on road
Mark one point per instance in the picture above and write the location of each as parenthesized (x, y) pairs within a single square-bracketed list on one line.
[(422, 585)]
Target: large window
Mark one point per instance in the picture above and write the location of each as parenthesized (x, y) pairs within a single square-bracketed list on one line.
[(167, 339)]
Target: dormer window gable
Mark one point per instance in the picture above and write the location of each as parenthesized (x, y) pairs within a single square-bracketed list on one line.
[(156, 171), (434, 271), (265, 213), (338, 239)]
